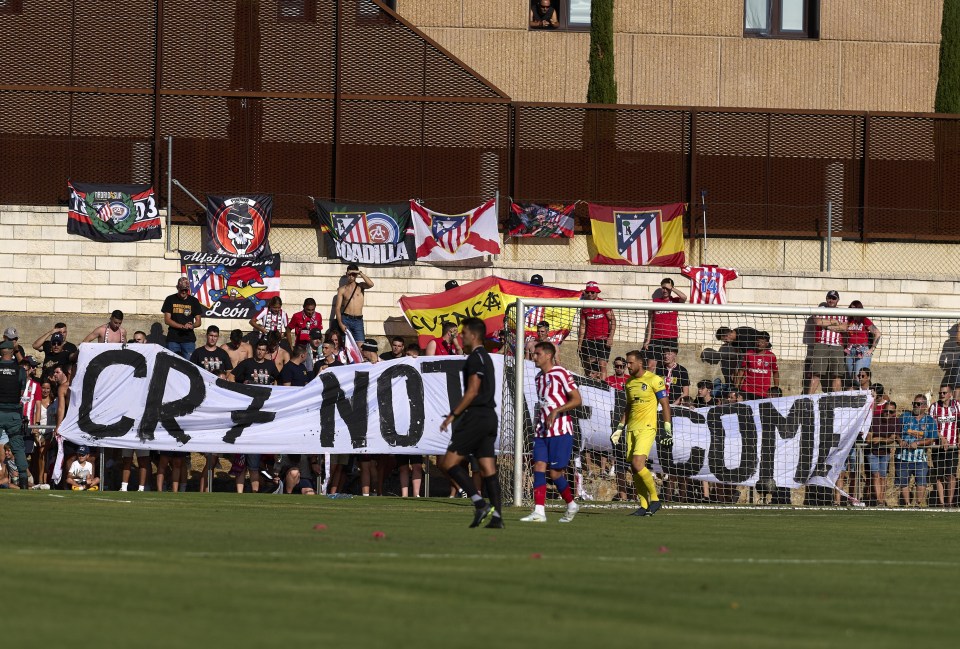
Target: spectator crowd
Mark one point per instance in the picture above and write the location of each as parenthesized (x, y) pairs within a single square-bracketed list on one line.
[(917, 446)]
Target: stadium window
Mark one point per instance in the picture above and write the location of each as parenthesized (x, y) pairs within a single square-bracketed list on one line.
[(781, 18), (369, 8), (296, 11), (11, 6), (571, 15)]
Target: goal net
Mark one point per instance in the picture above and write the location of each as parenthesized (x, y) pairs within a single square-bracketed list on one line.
[(770, 405)]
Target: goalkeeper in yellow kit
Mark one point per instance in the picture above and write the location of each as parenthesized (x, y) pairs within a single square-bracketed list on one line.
[(644, 391)]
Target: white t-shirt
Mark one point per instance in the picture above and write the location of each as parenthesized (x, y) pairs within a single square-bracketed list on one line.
[(79, 471)]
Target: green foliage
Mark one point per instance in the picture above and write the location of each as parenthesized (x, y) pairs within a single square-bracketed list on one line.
[(602, 88), (948, 85)]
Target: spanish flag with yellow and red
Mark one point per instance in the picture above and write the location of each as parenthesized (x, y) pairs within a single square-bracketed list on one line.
[(638, 236), (487, 299)]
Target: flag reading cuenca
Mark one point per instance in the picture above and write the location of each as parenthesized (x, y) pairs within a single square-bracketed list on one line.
[(239, 226), (229, 287), (451, 237), (372, 235), (642, 236), (487, 299), (143, 396), (114, 213), (544, 221)]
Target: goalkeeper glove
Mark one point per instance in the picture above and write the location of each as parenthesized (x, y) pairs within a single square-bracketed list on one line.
[(616, 435), (667, 437)]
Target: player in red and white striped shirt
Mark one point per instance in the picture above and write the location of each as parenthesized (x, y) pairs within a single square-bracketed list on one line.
[(553, 439), (946, 412), (708, 283)]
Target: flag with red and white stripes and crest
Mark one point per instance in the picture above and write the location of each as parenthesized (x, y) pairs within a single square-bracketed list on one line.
[(450, 237)]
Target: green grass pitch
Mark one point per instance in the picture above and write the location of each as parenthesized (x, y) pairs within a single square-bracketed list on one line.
[(162, 570)]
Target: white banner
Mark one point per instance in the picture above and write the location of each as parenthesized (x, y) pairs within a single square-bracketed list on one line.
[(142, 396)]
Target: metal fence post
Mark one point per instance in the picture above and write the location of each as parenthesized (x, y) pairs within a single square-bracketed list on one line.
[(169, 187), (829, 234)]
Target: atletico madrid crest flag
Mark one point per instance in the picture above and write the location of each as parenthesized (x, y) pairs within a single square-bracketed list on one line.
[(118, 213), (451, 237), (638, 236), (372, 235)]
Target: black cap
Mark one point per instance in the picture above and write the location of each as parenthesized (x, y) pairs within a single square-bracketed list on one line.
[(833, 295), (83, 450), (451, 284), (56, 339), (369, 345), (316, 334), (537, 279)]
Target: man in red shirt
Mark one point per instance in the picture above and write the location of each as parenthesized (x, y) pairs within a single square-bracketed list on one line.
[(619, 377), (825, 359), (298, 329), (595, 334), (946, 412), (758, 371), (663, 334)]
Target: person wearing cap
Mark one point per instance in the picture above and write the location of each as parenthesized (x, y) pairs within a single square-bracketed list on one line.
[(13, 381), (57, 350), (536, 279), (181, 313), (110, 332), (314, 351), (80, 475), (542, 336), (303, 322), (662, 333), (825, 359), (596, 331), (350, 300), (370, 350), (451, 284), (10, 333)]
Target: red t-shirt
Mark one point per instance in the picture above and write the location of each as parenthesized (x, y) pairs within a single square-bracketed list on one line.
[(858, 333), (665, 322), (302, 325), (617, 382), (758, 372), (595, 323)]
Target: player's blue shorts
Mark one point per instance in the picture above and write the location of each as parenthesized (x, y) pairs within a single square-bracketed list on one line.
[(555, 451)]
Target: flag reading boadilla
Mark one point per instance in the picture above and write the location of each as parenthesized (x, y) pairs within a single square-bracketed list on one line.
[(372, 235)]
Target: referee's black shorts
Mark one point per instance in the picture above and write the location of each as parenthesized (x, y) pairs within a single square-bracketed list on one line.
[(475, 433)]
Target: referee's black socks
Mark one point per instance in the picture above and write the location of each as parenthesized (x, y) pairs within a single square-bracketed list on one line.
[(460, 476), (491, 485)]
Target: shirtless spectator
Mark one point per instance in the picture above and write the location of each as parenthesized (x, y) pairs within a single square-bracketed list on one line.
[(272, 318), (275, 352), (662, 332), (110, 332), (303, 322), (350, 301), (674, 375), (447, 344), (543, 15), (758, 371), (542, 336), (825, 360), (237, 348)]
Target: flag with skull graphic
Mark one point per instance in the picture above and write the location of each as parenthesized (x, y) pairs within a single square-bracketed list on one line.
[(239, 226)]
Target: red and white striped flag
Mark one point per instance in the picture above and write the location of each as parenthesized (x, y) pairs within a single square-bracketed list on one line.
[(351, 347), (450, 237)]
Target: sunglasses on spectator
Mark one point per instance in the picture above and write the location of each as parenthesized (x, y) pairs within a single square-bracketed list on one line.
[(618, 366), (945, 392), (892, 411), (917, 404)]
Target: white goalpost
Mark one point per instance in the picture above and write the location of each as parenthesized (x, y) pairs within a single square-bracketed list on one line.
[(797, 447)]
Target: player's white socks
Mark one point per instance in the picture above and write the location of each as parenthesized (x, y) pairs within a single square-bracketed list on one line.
[(123, 486), (539, 509), (141, 488)]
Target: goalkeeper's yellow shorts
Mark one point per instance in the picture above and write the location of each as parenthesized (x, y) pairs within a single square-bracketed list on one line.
[(640, 440)]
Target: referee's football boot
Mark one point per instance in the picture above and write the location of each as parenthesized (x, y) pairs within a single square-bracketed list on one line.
[(496, 523), (481, 513)]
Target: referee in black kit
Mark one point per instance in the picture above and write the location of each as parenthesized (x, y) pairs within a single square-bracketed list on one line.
[(475, 427)]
